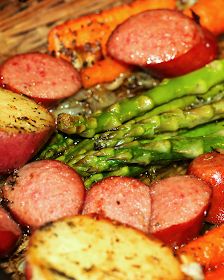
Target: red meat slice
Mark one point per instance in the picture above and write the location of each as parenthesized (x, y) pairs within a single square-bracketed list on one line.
[(179, 205), (210, 168), (164, 41), (44, 191), (123, 199), (40, 76), (10, 233)]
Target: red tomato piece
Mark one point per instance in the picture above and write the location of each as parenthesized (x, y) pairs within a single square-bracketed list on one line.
[(210, 168)]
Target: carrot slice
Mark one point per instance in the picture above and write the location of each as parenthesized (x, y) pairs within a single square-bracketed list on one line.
[(217, 274), (103, 71), (211, 14), (208, 249), (85, 39)]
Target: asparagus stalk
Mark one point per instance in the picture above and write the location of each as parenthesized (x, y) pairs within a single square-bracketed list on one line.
[(170, 121), (216, 93), (98, 142), (148, 174), (77, 150), (143, 154), (68, 148), (58, 145), (210, 129), (132, 171), (65, 149), (91, 144), (197, 82), (214, 129)]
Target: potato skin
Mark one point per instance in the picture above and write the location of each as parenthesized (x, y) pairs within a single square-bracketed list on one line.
[(89, 248), (25, 127), (17, 149)]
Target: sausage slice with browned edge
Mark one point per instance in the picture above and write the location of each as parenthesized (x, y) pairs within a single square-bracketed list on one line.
[(10, 233), (179, 205), (165, 41), (44, 191), (123, 199), (40, 76), (210, 168)]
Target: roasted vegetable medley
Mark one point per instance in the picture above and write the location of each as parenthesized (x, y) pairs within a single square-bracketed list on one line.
[(112, 162)]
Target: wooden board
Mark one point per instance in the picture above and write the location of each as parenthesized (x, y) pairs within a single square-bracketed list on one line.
[(24, 25)]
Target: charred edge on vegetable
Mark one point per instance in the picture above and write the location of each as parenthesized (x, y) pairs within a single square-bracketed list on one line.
[(47, 226), (61, 273), (71, 224), (196, 17)]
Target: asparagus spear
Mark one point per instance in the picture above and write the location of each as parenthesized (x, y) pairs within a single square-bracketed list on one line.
[(197, 82), (77, 150), (132, 171), (214, 128), (170, 121), (149, 173), (68, 148), (91, 144), (215, 93), (58, 145), (143, 154)]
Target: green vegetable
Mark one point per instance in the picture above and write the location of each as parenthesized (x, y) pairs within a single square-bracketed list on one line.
[(197, 82), (131, 171), (174, 121), (213, 129), (57, 146), (67, 148), (215, 93), (145, 153), (79, 151), (170, 121)]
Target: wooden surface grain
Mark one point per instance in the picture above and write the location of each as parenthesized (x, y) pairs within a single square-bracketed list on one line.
[(24, 25)]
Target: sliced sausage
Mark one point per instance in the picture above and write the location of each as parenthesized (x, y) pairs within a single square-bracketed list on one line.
[(123, 199), (44, 191), (165, 41), (201, 54), (210, 168), (40, 76), (10, 233), (178, 207)]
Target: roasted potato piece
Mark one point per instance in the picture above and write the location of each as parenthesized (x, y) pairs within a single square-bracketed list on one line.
[(24, 127), (87, 247)]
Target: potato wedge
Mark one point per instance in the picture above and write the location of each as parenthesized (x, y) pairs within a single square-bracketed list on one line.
[(24, 127), (86, 247)]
